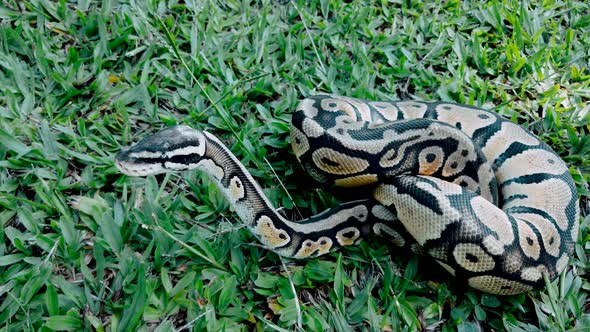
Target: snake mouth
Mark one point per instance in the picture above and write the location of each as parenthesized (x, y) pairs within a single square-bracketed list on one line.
[(135, 167)]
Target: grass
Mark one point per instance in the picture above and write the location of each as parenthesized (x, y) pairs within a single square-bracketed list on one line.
[(84, 248)]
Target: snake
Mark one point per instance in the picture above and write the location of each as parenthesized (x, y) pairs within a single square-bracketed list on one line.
[(488, 200)]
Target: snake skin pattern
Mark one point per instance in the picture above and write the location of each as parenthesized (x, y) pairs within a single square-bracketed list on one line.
[(489, 201)]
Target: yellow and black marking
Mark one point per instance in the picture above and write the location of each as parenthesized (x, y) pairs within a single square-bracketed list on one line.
[(489, 201)]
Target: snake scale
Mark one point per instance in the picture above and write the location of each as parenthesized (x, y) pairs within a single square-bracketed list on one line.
[(489, 201)]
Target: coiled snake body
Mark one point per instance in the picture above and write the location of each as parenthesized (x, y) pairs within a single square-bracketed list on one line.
[(489, 201)]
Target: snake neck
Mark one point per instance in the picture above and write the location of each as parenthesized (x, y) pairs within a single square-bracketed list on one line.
[(316, 235), (234, 181)]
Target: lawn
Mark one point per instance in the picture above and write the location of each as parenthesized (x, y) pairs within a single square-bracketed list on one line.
[(84, 247)]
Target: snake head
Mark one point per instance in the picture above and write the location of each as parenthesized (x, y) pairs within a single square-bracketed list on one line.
[(176, 148)]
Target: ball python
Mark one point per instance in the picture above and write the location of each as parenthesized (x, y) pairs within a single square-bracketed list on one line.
[(489, 201)]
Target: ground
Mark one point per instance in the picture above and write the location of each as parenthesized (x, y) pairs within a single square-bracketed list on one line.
[(84, 247)]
